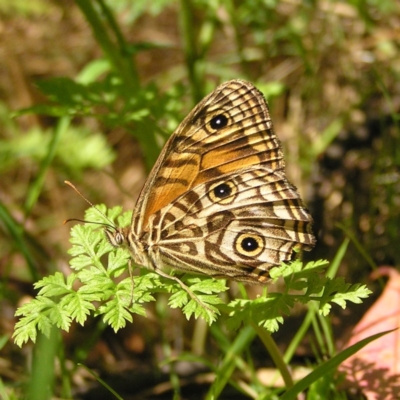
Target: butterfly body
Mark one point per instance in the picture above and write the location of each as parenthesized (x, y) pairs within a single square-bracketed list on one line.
[(217, 202)]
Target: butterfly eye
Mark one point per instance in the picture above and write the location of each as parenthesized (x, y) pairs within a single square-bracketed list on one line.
[(249, 244), (219, 121), (115, 238), (223, 192)]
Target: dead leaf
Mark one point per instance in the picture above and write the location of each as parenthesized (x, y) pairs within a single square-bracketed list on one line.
[(375, 369)]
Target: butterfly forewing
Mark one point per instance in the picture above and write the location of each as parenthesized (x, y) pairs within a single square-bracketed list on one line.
[(229, 130), (217, 201)]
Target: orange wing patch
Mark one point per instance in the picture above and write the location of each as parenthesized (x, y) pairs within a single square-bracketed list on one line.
[(198, 152)]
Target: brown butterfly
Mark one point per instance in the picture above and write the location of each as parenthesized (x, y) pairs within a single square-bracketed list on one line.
[(217, 202)]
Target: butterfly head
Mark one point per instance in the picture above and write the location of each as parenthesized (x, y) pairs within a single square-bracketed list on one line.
[(117, 237)]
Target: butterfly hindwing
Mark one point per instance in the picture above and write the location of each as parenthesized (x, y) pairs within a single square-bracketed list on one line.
[(239, 225)]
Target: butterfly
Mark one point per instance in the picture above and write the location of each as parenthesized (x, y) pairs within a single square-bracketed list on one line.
[(217, 201)]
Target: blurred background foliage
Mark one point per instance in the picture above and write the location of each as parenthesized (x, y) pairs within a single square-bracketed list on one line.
[(103, 84)]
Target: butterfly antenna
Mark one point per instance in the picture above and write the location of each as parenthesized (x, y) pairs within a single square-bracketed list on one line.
[(110, 225), (80, 194), (88, 222)]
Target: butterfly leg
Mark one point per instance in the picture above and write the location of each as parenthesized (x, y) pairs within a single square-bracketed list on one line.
[(130, 269)]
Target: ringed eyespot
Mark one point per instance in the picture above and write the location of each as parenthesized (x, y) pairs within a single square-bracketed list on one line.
[(219, 122), (249, 244), (223, 192)]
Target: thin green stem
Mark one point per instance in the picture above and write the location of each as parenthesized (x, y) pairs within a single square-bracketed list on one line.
[(16, 232), (106, 385), (121, 64), (327, 367), (65, 375), (122, 43), (232, 11), (199, 336), (358, 245), (36, 187), (228, 364), (275, 354), (301, 332), (163, 313), (190, 49)]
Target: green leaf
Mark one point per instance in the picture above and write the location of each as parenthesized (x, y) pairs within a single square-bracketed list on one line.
[(264, 311), (206, 285), (35, 316), (60, 316), (178, 299), (118, 262), (77, 306), (208, 313), (115, 313), (55, 285)]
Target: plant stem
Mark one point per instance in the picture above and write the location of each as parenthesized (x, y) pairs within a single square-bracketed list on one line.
[(275, 354), (122, 64), (228, 364), (190, 49), (42, 377)]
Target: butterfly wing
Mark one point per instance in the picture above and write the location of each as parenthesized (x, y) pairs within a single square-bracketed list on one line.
[(218, 201), (227, 131), (238, 225)]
